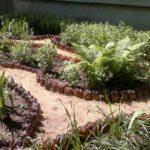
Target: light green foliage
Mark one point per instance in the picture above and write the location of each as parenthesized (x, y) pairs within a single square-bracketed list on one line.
[(16, 28), (5, 95), (4, 44), (70, 73), (100, 34), (123, 60), (119, 136), (44, 56), (22, 52)]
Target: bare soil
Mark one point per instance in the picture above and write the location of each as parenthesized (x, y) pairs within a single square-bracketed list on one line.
[(55, 120)]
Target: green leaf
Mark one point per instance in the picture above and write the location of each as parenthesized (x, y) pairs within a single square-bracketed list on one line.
[(135, 115)]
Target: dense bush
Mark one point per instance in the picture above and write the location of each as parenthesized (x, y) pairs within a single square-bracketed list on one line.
[(100, 34), (22, 52), (14, 28), (123, 62), (41, 24), (44, 56)]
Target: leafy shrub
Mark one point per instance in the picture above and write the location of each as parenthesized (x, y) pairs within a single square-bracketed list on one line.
[(5, 44), (100, 34), (16, 28), (69, 73), (44, 56), (22, 52), (123, 61)]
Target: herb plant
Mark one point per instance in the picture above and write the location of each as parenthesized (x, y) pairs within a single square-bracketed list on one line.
[(22, 52), (5, 44), (44, 56)]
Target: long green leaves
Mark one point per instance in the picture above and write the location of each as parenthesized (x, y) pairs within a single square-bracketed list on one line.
[(135, 115), (4, 97)]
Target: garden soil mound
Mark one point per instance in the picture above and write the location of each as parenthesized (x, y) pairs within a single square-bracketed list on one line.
[(55, 121)]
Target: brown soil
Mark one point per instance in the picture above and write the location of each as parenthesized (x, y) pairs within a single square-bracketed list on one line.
[(55, 119)]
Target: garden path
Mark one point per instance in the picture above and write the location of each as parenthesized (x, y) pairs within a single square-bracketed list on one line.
[(55, 119), (59, 51)]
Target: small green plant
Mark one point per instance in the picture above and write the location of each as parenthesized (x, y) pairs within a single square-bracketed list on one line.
[(44, 56), (4, 44), (5, 96), (22, 52)]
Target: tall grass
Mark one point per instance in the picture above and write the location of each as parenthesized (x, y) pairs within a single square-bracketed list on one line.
[(120, 132)]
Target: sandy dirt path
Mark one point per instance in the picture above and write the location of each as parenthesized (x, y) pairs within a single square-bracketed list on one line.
[(59, 51), (55, 119)]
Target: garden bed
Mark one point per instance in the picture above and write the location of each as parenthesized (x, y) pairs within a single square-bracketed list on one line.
[(20, 126), (98, 69), (52, 107), (52, 81), (62, 87)]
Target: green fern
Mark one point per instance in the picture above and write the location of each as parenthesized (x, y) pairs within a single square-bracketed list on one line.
[(121, 60)]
